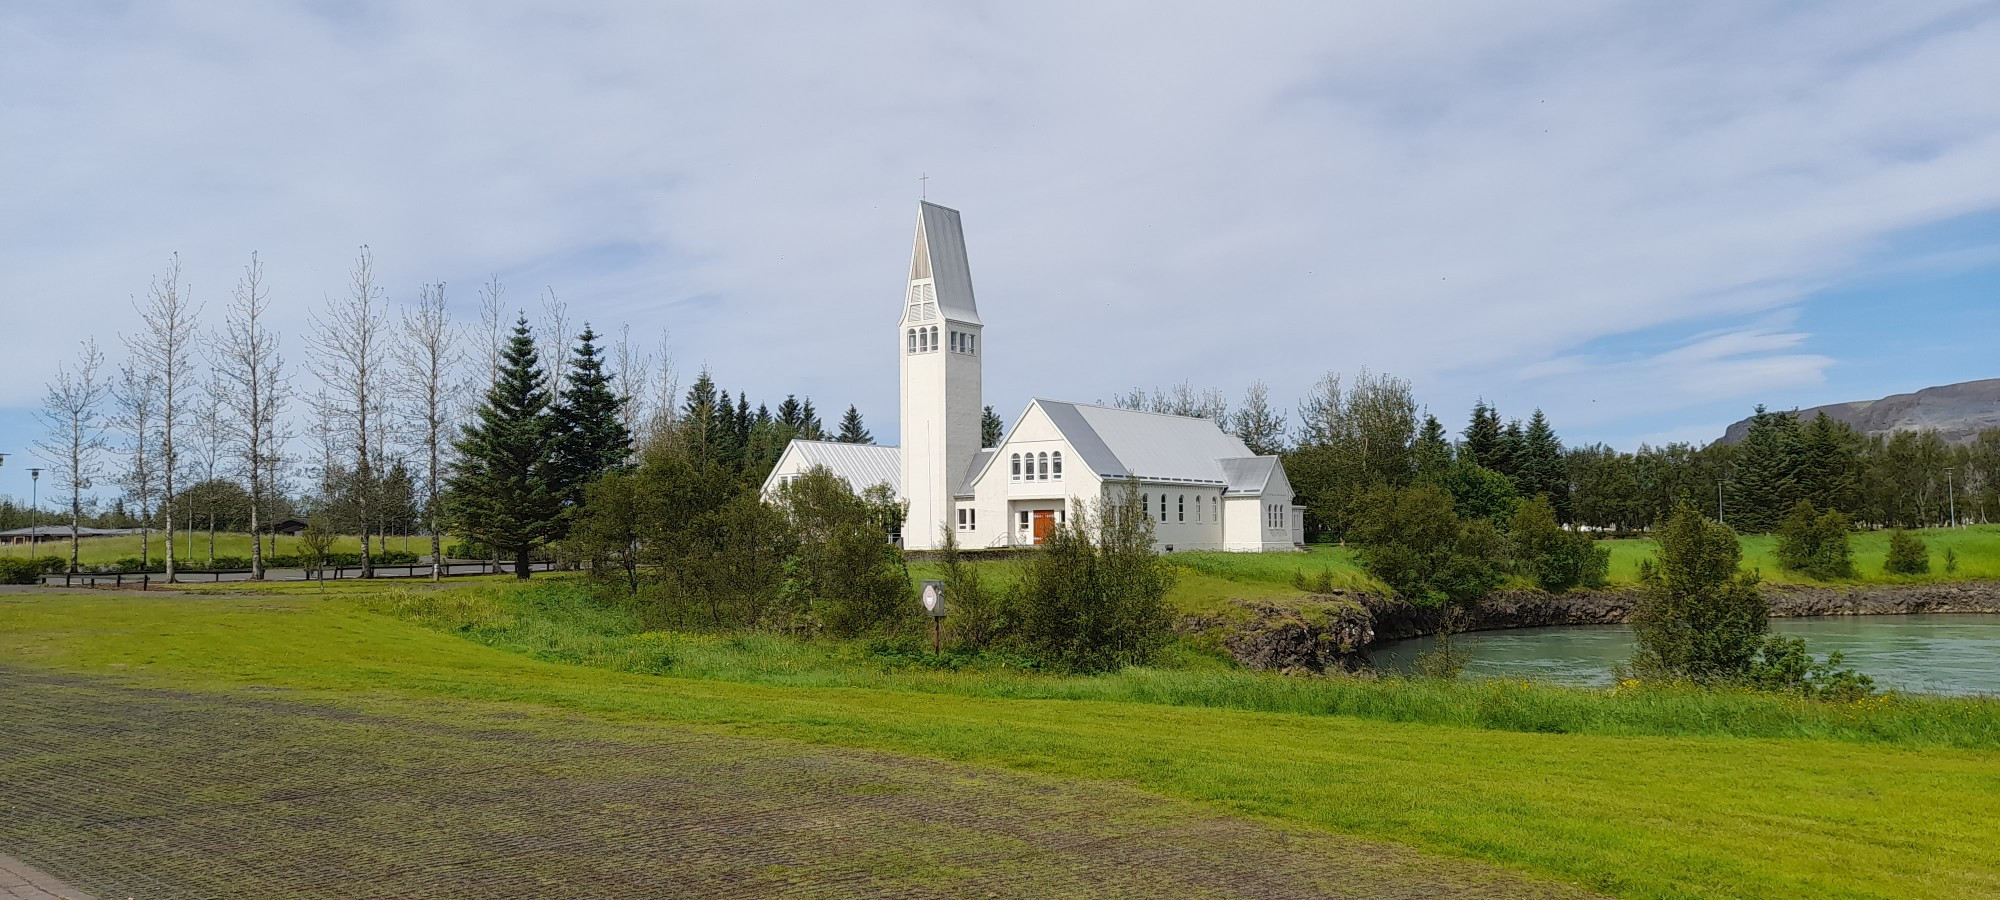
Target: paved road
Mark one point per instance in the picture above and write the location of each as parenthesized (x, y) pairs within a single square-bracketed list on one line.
[(20, 881), (137, 791)]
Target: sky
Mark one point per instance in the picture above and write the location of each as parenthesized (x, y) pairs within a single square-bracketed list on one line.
[(1641, 218)]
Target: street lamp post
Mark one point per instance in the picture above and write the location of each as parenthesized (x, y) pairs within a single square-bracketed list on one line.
[(1951, 495), (34, 508)]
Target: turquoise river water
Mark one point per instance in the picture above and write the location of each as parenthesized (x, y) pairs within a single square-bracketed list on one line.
[(1938, 654)]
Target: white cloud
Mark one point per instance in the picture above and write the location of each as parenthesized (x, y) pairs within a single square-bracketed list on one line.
[(1153, 192)]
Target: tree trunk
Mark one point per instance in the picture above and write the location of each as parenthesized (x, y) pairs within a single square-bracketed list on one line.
[(521, 564)]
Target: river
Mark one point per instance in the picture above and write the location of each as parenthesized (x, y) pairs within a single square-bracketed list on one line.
[(1937, 654)]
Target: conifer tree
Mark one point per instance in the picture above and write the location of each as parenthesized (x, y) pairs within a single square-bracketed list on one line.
[(809, 424), (1482, 437), (1829, 464), (1764, 478), (989, 428), (698, 418), (1432, 451), (851, 429), (1510, 453), (503, 492), (1542, 471), (589, 427), (790, 413)]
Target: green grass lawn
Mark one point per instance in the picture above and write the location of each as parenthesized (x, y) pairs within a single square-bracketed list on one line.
[(102, 550), (1718, 811)]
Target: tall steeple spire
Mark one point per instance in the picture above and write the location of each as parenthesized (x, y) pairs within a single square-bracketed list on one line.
[(940, 341)]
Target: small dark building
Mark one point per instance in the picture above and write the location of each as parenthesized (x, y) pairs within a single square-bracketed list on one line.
[(287, 527)]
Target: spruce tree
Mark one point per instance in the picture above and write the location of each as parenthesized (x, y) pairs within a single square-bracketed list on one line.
[(589, 428), (1829, 464), (989, 428), (1432, 451), (1542, 471), (1764, 478), (809, 424), (851, 429), (790, 413), (1482, 437), (1511, 453), (503, 492), (698, 420)]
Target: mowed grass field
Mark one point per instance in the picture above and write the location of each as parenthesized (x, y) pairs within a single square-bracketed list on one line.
[(1723, 811), (102, 550), (1977, 548)]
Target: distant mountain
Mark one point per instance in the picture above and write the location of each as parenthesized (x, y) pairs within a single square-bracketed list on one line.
[(1956, 411)]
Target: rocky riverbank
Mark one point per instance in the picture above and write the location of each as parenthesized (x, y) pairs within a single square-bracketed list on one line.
[(1332, 632)]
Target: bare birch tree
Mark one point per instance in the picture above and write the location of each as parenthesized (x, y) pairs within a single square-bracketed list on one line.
[(206, 426), (73, 411), (666, 385), (491, 317), (252, 389), (554, 338), (137, 392), (633, 370), (429, 357), (166, 345), (348, 347)]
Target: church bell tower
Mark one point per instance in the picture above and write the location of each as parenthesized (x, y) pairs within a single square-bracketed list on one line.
[(941, 346)]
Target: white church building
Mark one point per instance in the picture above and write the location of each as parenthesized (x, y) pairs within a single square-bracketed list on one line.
[(1202, 487)]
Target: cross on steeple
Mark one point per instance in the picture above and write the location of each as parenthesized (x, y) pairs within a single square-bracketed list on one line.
[(922, 186)]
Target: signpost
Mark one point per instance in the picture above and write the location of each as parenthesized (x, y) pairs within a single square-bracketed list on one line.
[(933, 597)]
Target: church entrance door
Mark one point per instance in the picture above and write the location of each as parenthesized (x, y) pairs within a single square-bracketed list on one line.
[(1045, 522)]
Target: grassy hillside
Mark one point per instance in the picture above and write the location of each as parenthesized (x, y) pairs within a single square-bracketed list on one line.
[(1829, 810)]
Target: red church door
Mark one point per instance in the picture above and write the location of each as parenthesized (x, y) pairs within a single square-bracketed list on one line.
[(1045, 522)]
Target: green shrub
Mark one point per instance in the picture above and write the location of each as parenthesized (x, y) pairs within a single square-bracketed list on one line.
[(1556, 558), (1092, 598), (1700, 619), (1783, 666), (20, 571), (1413, 540), (1907, 555), (1950, 561), (1815, 543)]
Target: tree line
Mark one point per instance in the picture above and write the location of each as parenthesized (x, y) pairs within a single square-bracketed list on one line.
[(206, 425), (1350, 435)]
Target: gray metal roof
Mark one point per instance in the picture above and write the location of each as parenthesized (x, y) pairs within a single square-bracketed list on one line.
[(1126, 443), (942, 239), (1248, 474), (979, 461), (862, 466)]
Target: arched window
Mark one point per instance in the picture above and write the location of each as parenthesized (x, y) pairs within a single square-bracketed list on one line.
[(1163, 507), (1180, 508), (1017, 467), (913, 340), (1145, 501), (1044, 466), (934, 337), (1197, 507), (1056, 460)]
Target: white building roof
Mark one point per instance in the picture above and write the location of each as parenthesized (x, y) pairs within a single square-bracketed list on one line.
[(862, 466), (1126, 443)]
